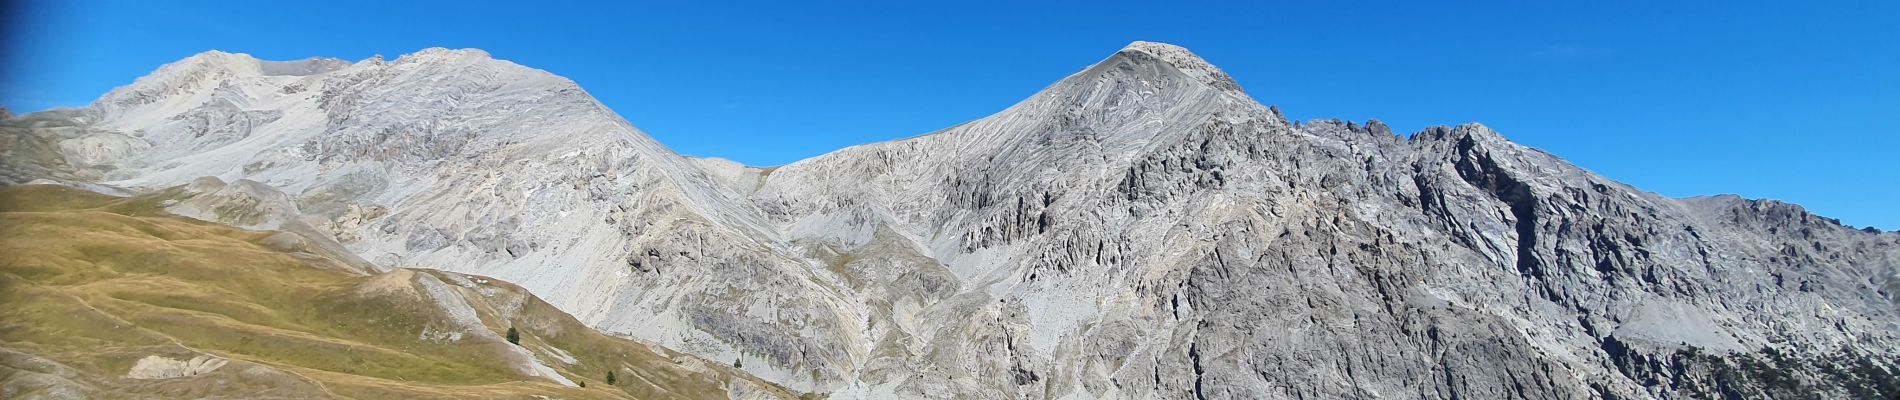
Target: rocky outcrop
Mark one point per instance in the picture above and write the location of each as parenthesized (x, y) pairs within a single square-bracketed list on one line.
[(160, 367)]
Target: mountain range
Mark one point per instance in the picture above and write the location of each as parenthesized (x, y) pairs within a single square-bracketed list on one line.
[(1143, 228)]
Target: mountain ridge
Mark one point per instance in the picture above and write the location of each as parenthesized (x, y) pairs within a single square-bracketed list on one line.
[(1141, 228)]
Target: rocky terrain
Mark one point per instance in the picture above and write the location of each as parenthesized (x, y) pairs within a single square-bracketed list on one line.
[(1141, 229)]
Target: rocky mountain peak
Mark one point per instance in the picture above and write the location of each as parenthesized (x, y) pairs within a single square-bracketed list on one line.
[(1144, 93), (176, 80), (1472, 130), (197, 65), (1181, 59)]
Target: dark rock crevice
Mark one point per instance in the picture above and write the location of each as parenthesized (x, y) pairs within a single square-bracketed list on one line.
[(1477, 168)]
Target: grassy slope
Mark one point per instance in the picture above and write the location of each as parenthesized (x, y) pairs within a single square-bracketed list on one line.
[(89, 284)]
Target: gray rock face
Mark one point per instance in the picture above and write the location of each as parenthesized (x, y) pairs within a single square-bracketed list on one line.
[(1153, 233), (1140, 229)]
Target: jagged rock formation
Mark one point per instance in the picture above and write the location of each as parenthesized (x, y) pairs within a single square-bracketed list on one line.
[(1141, 229)]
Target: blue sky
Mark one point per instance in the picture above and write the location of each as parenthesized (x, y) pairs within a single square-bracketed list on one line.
[(1766, 99)]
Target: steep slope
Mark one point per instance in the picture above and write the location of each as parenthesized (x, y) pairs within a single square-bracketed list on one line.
[(109, 297), (1141, 229)]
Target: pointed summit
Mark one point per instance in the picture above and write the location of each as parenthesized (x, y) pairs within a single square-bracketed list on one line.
[(1181, 59)]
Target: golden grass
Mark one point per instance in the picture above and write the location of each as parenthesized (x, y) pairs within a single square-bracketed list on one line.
[(95, 282)]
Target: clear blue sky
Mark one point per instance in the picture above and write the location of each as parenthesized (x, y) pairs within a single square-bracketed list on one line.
[(1782, 100)]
